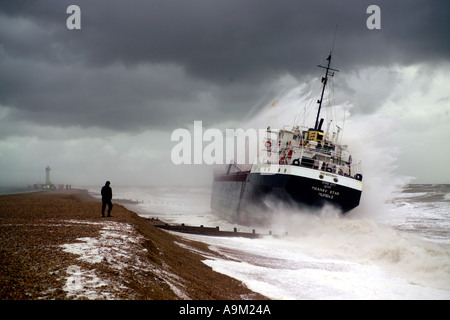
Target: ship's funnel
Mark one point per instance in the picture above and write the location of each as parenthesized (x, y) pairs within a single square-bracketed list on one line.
[(320, 125)]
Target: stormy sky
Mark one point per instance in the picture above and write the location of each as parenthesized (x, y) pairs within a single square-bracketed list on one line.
[(100, 103)]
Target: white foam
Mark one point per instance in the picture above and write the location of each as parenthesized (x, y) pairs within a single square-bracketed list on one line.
[(293, 268)]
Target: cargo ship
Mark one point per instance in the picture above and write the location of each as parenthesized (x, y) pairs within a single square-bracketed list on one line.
[(301, 167)]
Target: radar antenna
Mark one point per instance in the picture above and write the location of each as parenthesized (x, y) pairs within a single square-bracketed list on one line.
[(328, 72)]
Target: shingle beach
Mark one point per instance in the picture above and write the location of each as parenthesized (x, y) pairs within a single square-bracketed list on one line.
[(56, 245)]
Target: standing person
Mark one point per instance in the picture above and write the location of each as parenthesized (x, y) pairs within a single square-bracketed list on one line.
[(106, 199)]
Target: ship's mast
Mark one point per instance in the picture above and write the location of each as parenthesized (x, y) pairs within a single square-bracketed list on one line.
[(324, 81)]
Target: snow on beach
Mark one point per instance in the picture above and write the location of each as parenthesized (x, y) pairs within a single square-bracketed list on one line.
[(119, 246)]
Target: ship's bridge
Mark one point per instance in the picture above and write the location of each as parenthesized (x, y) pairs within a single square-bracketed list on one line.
[(310, 148), (315, 135)]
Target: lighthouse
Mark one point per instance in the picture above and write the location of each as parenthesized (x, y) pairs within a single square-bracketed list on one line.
[(47, 177)]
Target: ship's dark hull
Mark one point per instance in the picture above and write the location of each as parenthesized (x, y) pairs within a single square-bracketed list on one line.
[(252, 197)]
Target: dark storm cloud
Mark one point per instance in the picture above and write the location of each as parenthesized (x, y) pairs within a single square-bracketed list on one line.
[(164, 63), (234, 39)]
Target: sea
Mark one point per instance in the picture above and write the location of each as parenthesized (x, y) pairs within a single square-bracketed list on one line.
[(396, 250)]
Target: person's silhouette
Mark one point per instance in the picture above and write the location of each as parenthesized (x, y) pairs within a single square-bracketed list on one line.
[(106, 198)]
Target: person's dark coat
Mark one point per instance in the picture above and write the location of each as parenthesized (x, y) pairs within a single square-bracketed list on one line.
[(106, 192)]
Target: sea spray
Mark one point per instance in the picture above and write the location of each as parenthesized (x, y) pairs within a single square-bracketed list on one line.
[(367, 136), (327, 234), (360, 236), (332, 261)]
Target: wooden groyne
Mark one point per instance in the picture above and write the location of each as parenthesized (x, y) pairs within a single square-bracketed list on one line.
[(201, 230)]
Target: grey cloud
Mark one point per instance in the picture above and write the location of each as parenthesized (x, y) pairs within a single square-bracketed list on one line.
[(166, 63), (235, 39), (125, 98)]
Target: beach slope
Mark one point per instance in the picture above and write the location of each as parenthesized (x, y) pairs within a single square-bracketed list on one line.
[(55, 245)]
